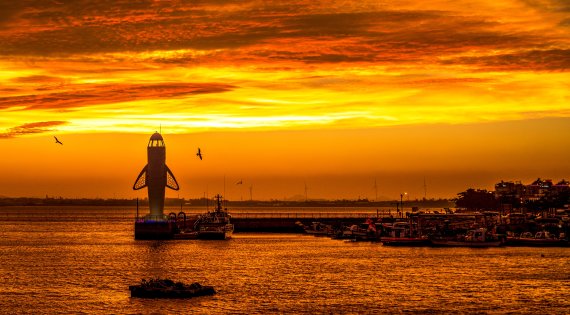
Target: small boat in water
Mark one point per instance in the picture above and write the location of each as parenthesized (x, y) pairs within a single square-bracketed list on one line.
[(319, 229), (214, 225), (361, 232), (475, 238), (401, 234), (166, 288), (540, 239)]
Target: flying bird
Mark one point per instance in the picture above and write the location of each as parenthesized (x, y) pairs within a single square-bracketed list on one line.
[(240, 182), (199, 154), (57, 140)]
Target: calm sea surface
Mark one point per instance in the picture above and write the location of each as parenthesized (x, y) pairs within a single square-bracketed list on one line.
[(83, 260)]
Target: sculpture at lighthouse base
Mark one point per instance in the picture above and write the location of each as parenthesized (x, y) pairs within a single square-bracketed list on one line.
[(156, 176)]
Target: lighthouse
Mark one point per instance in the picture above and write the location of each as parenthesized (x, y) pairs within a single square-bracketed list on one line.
[(156, 177)]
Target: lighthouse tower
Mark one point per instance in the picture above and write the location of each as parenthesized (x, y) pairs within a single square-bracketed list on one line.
[(156, 176)]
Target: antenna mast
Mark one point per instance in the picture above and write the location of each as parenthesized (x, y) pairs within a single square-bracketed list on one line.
[(375, 190)]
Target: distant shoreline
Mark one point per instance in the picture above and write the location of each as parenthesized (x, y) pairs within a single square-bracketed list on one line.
[(26, 201)]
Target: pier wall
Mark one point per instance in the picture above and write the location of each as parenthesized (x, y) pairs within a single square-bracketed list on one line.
[(287, 225)]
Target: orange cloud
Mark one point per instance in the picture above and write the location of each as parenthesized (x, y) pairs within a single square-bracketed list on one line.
[(90, 95), (236, 32), (31, 128), (312, 71), (534, 60), (300, 64)]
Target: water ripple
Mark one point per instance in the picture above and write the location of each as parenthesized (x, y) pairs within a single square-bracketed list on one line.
[(61, 268)]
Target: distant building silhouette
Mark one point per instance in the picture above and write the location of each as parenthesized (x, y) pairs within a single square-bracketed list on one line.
[(515, 194)]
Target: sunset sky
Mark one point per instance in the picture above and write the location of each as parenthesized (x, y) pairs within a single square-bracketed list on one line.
[(334, 95)]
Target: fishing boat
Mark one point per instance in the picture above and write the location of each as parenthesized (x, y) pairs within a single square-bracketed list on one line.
[(360, 232), (319, 229), (166, 288), (474, 238), (214, 224), (540, 239), (401, 234)]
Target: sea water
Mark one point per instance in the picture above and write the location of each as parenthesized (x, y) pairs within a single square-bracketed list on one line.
[(62, 261)]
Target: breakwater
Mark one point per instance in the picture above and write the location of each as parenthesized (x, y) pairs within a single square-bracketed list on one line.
[(278, 222), (244, 220), (286, 225)]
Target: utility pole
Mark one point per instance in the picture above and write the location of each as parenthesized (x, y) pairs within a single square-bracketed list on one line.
[(375, 190)]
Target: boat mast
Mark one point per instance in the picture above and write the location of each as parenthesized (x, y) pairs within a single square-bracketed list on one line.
[(218, 203)]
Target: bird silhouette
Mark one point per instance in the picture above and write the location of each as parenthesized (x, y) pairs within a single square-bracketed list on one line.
[(57, 140), (199, 154)]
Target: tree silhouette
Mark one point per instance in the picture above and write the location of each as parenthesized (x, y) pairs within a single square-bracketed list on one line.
[(477, 199)]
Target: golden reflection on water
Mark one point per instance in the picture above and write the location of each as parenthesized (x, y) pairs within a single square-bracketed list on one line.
[(86, 266)]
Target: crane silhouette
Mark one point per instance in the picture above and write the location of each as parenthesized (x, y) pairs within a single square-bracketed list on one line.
[(57, 140)]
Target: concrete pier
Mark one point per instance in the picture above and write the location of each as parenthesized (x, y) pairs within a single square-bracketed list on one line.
[(290, 222), (287, 225), (154, 230)]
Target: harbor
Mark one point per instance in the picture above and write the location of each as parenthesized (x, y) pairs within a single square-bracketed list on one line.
[(488, 229), (437, 228), (285, 157), (91, 260), (475, 225)]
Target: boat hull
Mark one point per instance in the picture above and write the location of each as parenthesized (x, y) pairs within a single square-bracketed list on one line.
[(317, 233), (448, 243), (213, 235), (215, 232), (404, 241), (532, 242), (186, 236)]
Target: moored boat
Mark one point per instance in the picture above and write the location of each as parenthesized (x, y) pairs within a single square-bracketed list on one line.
[(319, 229), (540, 239), (402, 234), (214, 225), (475, 238), (361, 232)]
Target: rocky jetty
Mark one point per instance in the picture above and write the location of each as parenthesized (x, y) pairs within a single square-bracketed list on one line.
[(166, 288)]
